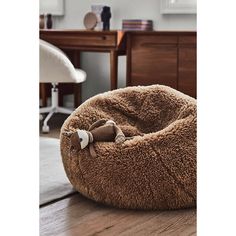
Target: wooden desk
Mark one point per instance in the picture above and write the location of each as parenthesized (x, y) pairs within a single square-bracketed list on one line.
[(156, 57), (74, 41)]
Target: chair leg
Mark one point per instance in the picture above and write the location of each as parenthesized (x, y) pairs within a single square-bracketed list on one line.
[(53, 109), (45, 109), (64, 110), (45, 127)]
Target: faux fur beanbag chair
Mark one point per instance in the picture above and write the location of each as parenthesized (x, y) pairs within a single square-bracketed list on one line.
[(154, 170)]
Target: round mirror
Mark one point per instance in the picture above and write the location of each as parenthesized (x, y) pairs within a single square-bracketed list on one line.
[(90, 20)]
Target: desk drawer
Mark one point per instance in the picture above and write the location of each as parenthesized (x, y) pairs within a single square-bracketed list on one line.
[(103, 40), (187, 40), (153, 41)]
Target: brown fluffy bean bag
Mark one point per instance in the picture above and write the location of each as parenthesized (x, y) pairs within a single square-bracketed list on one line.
[(154, 170)]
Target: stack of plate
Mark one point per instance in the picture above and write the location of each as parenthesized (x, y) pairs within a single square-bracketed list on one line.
[(143, 25)]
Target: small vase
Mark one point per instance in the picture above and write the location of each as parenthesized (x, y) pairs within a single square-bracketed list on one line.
[(49, 21), (41, 22)]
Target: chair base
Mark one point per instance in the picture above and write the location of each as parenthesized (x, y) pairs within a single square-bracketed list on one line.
[(54, 108)]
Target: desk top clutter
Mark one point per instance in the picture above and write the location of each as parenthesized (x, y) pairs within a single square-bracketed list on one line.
[(136, 25), (99, 14)]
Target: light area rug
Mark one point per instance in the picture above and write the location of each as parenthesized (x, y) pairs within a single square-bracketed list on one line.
[(53, 181)]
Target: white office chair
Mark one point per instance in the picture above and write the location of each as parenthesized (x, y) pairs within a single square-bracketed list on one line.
[(56, 68)]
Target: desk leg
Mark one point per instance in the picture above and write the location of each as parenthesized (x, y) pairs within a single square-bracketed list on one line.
[(113, 69), (74, 56), (77, 95), (43, 94), (77, 87)]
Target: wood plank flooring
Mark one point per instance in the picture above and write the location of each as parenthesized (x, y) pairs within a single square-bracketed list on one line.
[(76, 215)]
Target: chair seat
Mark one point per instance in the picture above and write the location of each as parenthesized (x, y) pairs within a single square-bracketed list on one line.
[(55, 66), (80, 76)]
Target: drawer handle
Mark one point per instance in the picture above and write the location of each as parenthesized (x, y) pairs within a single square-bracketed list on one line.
[(104, 37)]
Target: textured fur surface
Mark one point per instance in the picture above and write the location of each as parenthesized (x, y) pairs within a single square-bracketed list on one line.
[(154, 170)]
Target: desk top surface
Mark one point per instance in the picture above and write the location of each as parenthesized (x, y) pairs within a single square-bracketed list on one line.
[(83, 31), (99, 40), (89, 40), (79, 31)]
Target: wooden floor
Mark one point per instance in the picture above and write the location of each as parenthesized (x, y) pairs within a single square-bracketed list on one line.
[(77, 215)]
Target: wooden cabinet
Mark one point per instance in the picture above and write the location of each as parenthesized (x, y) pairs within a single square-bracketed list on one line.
[(154, 60), (187, 65), (167, 58)]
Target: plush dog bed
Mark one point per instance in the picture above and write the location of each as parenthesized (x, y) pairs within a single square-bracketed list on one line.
[(154, 170)]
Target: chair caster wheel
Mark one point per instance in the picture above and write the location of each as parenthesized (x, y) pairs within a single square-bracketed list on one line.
[(40, 117), (45, 129)]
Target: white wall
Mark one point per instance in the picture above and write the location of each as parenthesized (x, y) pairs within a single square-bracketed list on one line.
[(97, 64)]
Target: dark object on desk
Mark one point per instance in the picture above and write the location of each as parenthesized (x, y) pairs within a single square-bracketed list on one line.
[(90, 21), (106, 16), (49, 21), (41, 22)]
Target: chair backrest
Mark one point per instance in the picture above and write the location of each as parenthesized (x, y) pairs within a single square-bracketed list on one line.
[(55, 67)]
